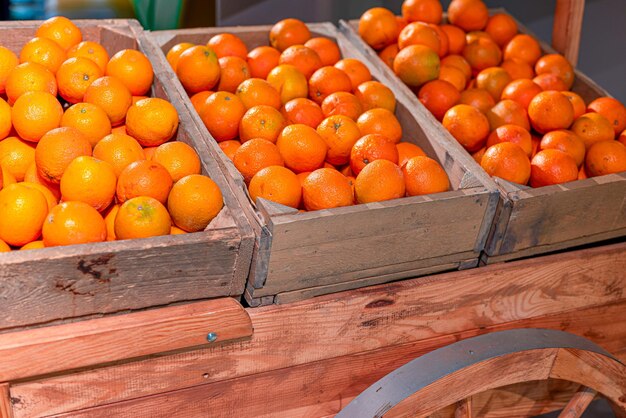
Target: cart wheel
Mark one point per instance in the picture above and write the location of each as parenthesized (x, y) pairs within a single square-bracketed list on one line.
[(453, 374)]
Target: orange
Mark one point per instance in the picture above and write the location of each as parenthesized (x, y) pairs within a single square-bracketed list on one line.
[(494, 80), (194, 201), (342, 103), (142, 217), (233, 71), (198, 100), (388, 54), (622, 138), (508, 112), (4, 247), (379, 180), (444, 42), (221, 116), (289, 82), (72, 223), (518, 68), (469, 15), (328, 80), (378, 27), (278, 184), (605, 157), (261, 122), (34, 245), (454, 76), (423, 175), (92, 51), (6, 177), (511, 133), (478, 155), (326, 188), (35, 113), (112, 96), (228, 45), (16, 155), (61, 30), (373, 94), (255, 155), (89, 119), (304, 59), (557, 65), (29, 76), (144, 178), (198, 69), (230, 147), (89, 180), (549, 81), (119, 150), (51, 199), (255, 92), (32, 176), (176, 231), (173, 55), (178, 158), (355, 70), (22, 213), (522, 91), (507, 161), (467, 125), (340, 134), (326, 49), (302, 148), (152, 121), (56, 150), (438, 96), (74, 76), (262, 60), (501, 28), (577, 102), (419, 33), (482, 53), (303, 111), (133, 69), (523, 47), (406, 151), (612, 109), (380, 121), (566, 141), (458, 62), (592, 128), (429, 11), (43, 51), (109, 220), (372, 147), (416, 65), (289, 32), (478, 98), (5, 119), (552, 166), (456, 38), (8, 61)]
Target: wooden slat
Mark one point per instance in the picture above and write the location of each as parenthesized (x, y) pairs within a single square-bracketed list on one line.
[(464, 408), (568, 22), (579, 402), (6, 410), (71, 346)]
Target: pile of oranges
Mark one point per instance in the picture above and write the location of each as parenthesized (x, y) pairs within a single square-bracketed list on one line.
[(495, 91), (304, 127), (84, 154)]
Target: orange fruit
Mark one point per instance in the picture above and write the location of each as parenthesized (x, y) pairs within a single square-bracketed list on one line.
[(355, 70), (302, 148), (74, 76), (566, 141), (577, 102), (92, 51), (326, 49), (229, 147), (456, 38), (152, 121), (304, 59), (388, 54), (261, 122), (478, 98), (233, 72), (342, 103), (142, 217), (444, 42), (501, 28), (221, 116), (29, 76), (198, 100), (378, 27), (429, 11), (289, 32), (622, 138), (326, 188), (552, 166), (5, 119), (406, 151), (4, 247), (262, 60), (467, 125), (380, 121), (22, 213), (228, 45), (508, 161), (523, 47), (176, 231), (133, 69), (550, 110), (328, 80), (482, 53), (373, 94), (56, 150), (379, 180), (518, 68), (559, 66), (549, 81), (112, 96), (454, 76), (612, 109), (303, 111), (89, 119), (8, 61), (416, 65), (198, 69), (605, 157), (35, 113), (511, 133), (51, 199), (109, 221), (72, 223), (508, 112), (478, 155), (423, 175), (289, 82), (89, 180), (592, 128), (438, 96), (119, 150), (16, 155), (34, 245), (144, 178), (43, 51), (32, 176), (255, 92), (255, 155), (6, 177), (522, 91), (178, 158), (372, 147), (340, 134), (469, 15), (494, 80), (173, 55), (278, 184), (419, 33), (61, 30), (194, 201)]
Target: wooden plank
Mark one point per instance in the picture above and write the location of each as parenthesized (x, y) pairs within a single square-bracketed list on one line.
[(6, 409), (579, 402), (568, 22), (463, 408), (98, 341)]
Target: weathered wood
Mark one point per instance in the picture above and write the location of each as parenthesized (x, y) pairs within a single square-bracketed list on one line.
[(6, 410), (567, 28), (463, 408), (579, 402)]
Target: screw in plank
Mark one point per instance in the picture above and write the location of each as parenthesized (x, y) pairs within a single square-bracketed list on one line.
[(211, 337)]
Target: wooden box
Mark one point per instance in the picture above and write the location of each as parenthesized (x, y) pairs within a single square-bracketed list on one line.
[(301, 255), (59, 283), (532, 221)]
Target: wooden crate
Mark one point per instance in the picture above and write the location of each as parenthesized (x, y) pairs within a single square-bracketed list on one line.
[(52, 284), (301, 255), (532, 221)]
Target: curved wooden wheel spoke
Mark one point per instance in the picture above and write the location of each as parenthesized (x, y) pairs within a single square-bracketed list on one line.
[(579, 403)]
